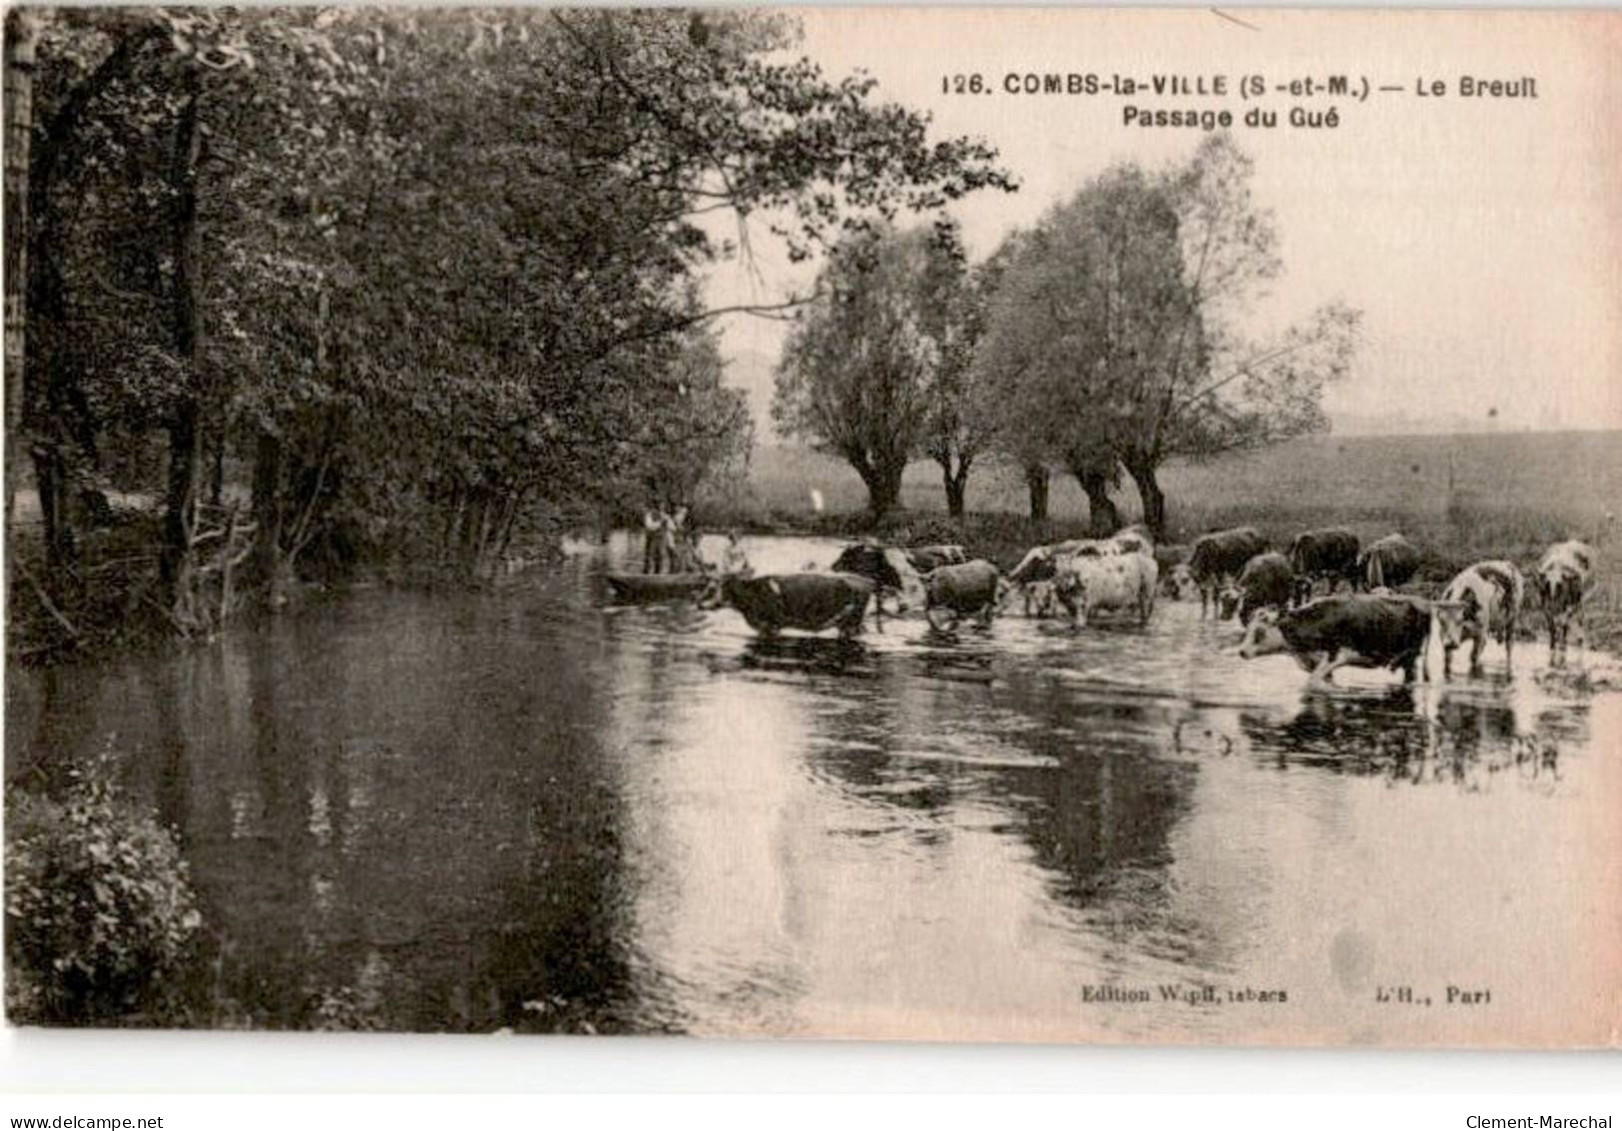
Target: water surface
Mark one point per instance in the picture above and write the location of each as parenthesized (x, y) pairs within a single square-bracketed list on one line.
[(522, 809)]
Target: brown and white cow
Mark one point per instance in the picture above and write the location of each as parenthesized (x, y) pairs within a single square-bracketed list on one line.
[(1351, 630), (1483, 600), (1564, 576)]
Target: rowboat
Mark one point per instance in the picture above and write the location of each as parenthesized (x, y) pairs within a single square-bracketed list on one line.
[(646, 588)]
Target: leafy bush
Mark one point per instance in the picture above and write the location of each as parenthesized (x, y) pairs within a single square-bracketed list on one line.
[(100, 914)]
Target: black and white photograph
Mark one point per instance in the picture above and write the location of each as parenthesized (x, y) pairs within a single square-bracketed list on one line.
[(917, 524)]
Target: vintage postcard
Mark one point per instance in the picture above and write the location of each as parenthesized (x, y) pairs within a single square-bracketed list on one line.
[(928, 524)]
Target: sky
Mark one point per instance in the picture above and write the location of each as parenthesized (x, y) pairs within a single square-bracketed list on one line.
[(1481, 237)]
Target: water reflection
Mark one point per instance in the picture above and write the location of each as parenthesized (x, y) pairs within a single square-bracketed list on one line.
[(521, 810)]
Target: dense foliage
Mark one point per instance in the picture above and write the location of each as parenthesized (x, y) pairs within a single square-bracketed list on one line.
[(329, 285), (100, 914)]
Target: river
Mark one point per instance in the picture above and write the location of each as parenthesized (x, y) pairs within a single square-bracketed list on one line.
[(521, 810)]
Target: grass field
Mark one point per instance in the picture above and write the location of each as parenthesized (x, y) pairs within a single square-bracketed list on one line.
[(1461, 498)]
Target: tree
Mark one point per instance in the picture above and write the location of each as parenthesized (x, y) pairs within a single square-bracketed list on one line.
[(1130, 299), (958, 428), (1033, 359), (859, 368)]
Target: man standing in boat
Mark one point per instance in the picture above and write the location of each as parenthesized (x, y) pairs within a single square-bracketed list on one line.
[(655, 534)]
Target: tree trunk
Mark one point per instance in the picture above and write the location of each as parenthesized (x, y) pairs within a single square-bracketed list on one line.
[(187, 414), (883, 481), (1154, 499), (268, 509), (1102, 515), (178, 497), (1036, 481), (956, 483), (19, 124)]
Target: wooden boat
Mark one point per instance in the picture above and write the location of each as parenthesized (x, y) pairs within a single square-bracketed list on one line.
[(646, 588)]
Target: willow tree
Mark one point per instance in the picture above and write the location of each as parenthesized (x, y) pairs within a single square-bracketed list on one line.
[(1132, 297), (861, 371)]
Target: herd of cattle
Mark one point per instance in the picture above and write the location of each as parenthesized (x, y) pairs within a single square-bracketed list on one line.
[(1235, 573)]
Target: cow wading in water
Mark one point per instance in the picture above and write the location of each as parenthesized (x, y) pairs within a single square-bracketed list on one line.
[(807, 602), (1086, 585), (1352, 630), (1216, 559), (1388, 563), (957, 591), (888, 569), (1483, 600), (1563, 579), (1267, 581), (1330, 555)]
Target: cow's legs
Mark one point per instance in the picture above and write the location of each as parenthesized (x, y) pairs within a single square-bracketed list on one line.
[(1477, 645), (1447, 660), (1325, 671)]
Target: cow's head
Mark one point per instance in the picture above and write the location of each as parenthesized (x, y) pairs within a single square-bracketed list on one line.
[(719, 588), (1180, 582), (1453, 618), (1228, 602), (1263, 637)]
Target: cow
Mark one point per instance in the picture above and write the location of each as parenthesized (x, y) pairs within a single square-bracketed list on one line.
[(1216, 559), (1329, 554), (1267, 581), (1113, 582), (1353, 629), (808, 602), (926, 558), (1562, 581), (970, 589), (1483, 600), (1387, 563), (879, 566), (1033, 576)]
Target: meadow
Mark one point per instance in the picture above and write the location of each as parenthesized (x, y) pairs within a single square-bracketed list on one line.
[(1460, 497)]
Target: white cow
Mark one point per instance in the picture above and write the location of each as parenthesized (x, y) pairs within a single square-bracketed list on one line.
[(1114, 582), (1563, 580), (1483, 600)]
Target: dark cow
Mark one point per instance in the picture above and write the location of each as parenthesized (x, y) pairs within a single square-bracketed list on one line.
[(871, 562), (1562, 581), (926, 558), (970, 589), (1217, 558), (1266, 581), (1388, 563), (1329, 554), (1359, 630), (808, 602)]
